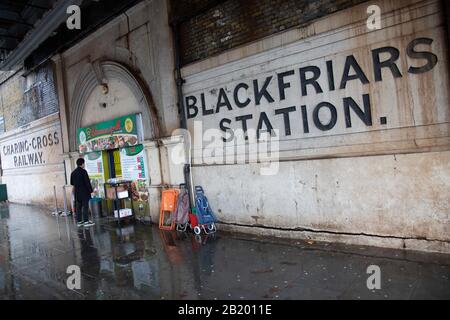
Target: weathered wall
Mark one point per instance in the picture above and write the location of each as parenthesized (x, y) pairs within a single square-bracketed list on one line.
[(30, 110), (133, 55), (236, 22), (28, 98), (11, 97), (140, 39), (385, 198), (381, 180), (32, 162)]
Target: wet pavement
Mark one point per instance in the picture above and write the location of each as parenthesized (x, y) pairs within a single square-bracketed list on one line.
[(139, 261)]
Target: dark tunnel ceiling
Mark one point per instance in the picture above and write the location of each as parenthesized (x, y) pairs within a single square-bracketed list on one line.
[(17, 18)]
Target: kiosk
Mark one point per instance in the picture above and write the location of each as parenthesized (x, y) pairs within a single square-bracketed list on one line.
[(117, 165)]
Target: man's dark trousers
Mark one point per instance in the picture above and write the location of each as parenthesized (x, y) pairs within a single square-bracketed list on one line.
[(83, 189), (82, 209)]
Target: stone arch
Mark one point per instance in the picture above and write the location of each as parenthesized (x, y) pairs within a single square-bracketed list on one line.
[(98, 73)]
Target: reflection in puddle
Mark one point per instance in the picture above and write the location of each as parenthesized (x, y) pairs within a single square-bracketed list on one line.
[(4, 211), (137, 261)]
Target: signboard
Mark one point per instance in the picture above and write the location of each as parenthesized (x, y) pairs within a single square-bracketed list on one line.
[(32, 161), (134, 169), (133, 164), (114, 134), (95, 169), (39, 148), (330, 94)]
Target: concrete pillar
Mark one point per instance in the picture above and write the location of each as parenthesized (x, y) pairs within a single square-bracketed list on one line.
[(58, 65), (154, 167)]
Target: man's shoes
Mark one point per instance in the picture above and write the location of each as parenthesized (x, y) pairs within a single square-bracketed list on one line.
[(80, 224), (88, 224)]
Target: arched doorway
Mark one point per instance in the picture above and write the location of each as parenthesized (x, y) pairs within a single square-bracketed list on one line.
[(107, 90)]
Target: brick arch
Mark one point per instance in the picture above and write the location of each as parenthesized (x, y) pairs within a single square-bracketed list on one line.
[(94, 75)]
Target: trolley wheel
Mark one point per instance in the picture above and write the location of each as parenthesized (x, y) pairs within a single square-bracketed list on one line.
[(212, 227), (197, 230)]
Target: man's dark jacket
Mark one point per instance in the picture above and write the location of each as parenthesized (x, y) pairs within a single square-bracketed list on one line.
[(80, 180)]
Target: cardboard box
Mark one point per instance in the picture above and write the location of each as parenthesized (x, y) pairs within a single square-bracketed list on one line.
[(123, 213), (111, 193), (123, 194)]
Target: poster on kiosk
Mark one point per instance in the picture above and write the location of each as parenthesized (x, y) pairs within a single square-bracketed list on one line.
[(95, 169), (134, 168), (120, 138)]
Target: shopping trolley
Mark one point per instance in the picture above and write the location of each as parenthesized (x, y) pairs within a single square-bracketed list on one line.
[(202, 216)]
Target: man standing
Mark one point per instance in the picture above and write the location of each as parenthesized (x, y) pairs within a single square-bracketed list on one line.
[(82, 190)]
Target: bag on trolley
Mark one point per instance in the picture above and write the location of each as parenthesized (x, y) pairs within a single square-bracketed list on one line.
[(181, 216), (205, 215)]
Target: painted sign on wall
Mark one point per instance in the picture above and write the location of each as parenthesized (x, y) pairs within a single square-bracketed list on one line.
[(346, 91), (34, 149), (264, 98), (118, 133)]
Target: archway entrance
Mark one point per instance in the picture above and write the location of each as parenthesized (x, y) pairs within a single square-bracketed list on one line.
[(112, 117), (107, 90)]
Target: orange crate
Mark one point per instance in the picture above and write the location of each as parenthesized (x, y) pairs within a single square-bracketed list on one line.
[(169, 203)]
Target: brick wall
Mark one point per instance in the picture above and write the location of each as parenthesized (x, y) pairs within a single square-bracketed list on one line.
[(11, 95), (25, 99), (185, 8), (228, 24)]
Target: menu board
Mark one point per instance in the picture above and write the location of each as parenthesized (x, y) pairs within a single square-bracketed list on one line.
[(134, 169), (133, 163), (95, 169)]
